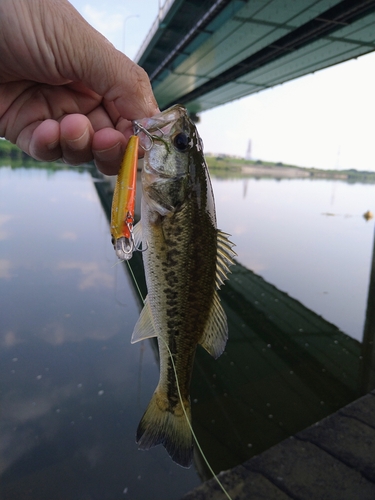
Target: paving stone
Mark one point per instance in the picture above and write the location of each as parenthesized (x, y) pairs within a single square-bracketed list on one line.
[(241, 484), (306, 472), (348, 440), (332, 460), (363, 409)]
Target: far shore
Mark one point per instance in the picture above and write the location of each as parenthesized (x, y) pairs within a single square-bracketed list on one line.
[(277, 171), (219, 166), (237, 167)]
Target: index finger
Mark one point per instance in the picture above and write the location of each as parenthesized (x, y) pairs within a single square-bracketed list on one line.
[(87, 56)]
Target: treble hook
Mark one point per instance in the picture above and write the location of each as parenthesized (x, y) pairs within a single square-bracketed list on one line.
[(126, 245), (139, 128), (139, 249), (133, 247), (127, 242)]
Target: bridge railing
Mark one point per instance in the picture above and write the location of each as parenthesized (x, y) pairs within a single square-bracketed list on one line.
[(161, 15)]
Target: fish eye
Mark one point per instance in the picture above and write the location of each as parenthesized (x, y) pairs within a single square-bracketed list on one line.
[(181, 141)]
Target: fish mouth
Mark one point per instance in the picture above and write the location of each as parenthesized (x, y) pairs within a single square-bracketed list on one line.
[(159, 126)]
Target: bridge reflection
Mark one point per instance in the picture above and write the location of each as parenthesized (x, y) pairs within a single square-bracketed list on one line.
[(284, 368)]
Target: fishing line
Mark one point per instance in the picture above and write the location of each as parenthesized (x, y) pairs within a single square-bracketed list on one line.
[(181, 401), (191, 428), (135, 281)]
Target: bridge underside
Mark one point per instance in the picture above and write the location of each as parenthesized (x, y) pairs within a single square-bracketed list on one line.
[(204, 53)]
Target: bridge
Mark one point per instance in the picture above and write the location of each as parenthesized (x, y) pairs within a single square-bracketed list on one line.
[(204, 53)]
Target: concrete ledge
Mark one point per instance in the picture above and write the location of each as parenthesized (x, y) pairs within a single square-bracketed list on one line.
[(331, 460)]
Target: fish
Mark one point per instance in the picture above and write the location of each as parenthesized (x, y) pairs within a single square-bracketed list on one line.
[(186, 259)]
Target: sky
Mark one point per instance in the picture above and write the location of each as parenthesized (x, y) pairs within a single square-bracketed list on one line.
[(323, 120)]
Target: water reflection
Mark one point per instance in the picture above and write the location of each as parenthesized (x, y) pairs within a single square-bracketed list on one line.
[(74, 389), (283, 234), (284, 368), (368, 343)]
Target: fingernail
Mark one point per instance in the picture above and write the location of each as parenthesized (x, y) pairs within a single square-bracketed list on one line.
[(53, 145), (80, 142), (109, 154)]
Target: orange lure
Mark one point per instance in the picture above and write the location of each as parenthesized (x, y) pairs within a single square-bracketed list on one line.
[(123, 203)]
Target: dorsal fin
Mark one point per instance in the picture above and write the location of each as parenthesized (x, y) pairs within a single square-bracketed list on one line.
[(225, 254)]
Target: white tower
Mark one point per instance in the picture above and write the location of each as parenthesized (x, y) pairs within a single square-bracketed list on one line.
[(248, 152)]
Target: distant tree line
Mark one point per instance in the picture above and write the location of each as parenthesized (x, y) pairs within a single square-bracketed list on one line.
[(12, 156), (9, 150)]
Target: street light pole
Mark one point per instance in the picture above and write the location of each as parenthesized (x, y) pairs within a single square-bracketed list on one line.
[(123, 30)]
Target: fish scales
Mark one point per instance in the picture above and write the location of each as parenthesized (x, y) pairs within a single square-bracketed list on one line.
[(185, 290), (185, 258)]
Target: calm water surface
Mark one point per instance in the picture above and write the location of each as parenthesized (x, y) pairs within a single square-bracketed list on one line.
[(73, 388), (307, 237)]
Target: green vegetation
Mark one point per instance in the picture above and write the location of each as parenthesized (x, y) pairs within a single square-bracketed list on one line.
[(9, 150), (12, 155)]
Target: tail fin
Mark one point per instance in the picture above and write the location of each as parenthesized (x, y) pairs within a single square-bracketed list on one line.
[(162, 424)]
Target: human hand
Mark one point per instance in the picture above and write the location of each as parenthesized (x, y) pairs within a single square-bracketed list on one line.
[(65, 91)]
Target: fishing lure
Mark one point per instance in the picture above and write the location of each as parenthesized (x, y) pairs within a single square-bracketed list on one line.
[(123, 203)]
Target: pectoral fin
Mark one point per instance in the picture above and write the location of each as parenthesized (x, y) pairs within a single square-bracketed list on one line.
[(137, 235), (216, 333), (144, 328)]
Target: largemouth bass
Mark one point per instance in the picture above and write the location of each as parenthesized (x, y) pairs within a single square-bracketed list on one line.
[(186, 259)]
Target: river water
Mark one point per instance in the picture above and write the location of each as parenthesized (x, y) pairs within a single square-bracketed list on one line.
[(73, 388)]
